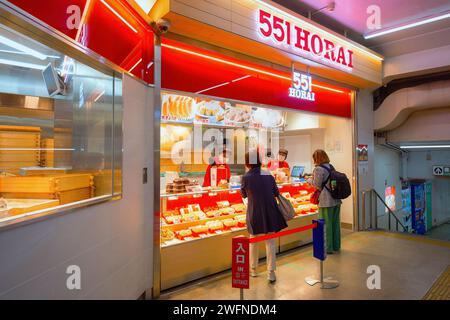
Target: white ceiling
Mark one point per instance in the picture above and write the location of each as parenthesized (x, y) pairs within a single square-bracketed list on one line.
[(351, 15)]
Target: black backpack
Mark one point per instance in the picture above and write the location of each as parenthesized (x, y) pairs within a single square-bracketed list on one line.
[(339, 184)]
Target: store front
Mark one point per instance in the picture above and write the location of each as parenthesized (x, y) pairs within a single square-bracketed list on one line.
[(237, 106), (207, 89)]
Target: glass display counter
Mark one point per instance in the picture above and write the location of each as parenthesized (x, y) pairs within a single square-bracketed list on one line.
[(197, 228)]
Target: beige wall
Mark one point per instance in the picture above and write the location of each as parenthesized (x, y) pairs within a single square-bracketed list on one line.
[(111, 242)]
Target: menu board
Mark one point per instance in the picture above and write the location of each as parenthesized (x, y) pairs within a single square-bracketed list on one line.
[(185, 109)]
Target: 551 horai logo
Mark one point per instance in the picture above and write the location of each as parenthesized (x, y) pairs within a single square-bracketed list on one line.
[(284, 32)]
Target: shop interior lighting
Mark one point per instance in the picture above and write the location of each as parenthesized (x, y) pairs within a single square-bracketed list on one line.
[(351, 44), (436, 146), (22, 64), (408, 26), (137, 63), (21, 47), (119, 16), (99, 96), (239, 66)]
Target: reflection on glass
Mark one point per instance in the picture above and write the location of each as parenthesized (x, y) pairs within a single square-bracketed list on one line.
[(60, 129)]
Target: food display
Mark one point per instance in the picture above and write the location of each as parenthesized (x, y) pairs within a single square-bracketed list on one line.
[(175, 107), (267, 118), (191, 217), (240, 115)]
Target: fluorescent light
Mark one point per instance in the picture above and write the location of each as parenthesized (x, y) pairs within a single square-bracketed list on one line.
[(226, 62), (407, 26), (132, 68), (241, 78), (327, 88), (21, 47), (22, 64), (24, 53), (426, 147), (321, 30), (119, 16), (99, 96), (210, 88)]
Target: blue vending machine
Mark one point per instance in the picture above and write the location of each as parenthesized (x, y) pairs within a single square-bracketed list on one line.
[(419, 210)]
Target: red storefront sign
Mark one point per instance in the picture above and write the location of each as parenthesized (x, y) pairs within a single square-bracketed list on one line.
[(285, 33), (191, 69), (240, 270)]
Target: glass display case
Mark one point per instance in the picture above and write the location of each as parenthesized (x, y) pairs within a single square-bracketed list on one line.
[(197, 227)]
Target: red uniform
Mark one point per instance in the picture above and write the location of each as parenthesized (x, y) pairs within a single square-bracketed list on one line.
[(223, 173), (275, 164)]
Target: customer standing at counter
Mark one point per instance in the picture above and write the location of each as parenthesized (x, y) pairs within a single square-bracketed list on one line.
[(217, 171), (263, 215), (329, 208)]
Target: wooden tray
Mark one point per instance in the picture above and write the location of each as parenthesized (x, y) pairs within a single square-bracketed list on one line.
[(45, 184)]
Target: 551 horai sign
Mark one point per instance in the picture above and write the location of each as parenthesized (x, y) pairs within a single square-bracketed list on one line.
[(284, 32)]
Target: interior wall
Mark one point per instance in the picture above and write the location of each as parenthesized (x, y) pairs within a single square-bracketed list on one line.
[(110, 242), (364, 129), (420, 165), (426, 125), (388, 170), (338, 144)]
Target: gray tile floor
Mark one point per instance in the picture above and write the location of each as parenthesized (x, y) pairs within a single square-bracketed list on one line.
[(409, 266), (441, 232)]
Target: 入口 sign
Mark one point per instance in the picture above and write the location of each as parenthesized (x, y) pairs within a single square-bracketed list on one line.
[(287, 33), (301, 87)]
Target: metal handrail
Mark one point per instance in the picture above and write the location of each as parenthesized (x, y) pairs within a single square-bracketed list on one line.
[(391, 213)]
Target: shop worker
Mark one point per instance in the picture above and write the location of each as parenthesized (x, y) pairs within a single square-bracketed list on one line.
[(281, 162), (263, 215), (218, 171), (329, 208)]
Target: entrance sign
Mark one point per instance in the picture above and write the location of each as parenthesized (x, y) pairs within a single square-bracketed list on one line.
[(240, 270), (297, 37), (301, 87)]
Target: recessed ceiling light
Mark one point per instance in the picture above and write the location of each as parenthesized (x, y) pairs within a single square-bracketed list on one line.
[(407, 26), (436, 146)]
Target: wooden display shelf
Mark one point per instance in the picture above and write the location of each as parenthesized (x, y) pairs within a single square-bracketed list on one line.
[(21, 206), (45, 184)]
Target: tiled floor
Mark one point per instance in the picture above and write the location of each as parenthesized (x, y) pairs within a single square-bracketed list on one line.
[(441, 232), (409, 266)]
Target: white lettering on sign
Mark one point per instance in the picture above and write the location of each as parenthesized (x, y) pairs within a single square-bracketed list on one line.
[(285, 33), (301, 87)]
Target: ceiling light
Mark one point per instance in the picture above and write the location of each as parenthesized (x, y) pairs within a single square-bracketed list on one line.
[(137, 63), (407, 26), (119, 16), (21, 47), (436, 146), (22, 64)]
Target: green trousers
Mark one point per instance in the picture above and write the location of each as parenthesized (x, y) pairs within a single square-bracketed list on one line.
[(332, 219)]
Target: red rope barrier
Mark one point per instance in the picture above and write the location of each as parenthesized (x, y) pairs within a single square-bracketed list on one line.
[(282, 233)]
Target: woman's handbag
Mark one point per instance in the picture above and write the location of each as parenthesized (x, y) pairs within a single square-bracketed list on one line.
[(286, 208), (315, 197)]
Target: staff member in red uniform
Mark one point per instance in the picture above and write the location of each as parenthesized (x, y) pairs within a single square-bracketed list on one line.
[(217, 171), (281, 163)]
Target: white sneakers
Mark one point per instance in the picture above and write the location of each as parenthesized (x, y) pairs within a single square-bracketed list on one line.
[(271, 276)]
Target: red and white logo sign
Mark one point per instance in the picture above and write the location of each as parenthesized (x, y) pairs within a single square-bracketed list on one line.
[(240, 270), (301, 87), (286, 33)]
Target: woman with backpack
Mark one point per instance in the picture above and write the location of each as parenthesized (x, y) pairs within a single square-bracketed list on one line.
[(329, 207)]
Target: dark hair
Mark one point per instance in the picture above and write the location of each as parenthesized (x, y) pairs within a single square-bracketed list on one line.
[(252, 159), (320, 157)]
